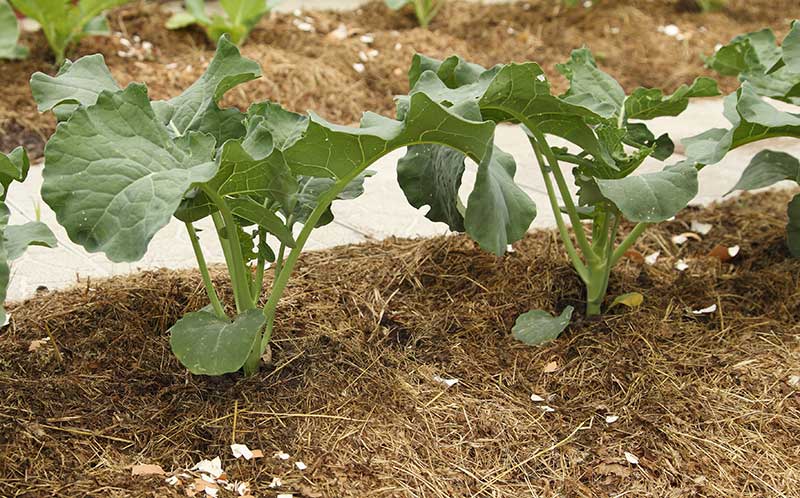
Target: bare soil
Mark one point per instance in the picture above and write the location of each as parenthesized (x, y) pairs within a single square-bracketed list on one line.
[(707, 402), (311, 71)]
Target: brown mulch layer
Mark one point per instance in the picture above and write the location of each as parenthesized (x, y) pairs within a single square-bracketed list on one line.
[(311, 71), (707, 403)]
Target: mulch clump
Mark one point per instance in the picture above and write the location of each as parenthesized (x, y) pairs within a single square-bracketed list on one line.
[(706, 402), (314, 71)]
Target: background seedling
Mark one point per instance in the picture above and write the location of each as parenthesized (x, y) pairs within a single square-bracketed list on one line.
[(237, 19)]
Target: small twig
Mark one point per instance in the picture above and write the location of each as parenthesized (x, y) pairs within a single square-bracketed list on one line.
[(82, 432), (59, 356), (235, 417)]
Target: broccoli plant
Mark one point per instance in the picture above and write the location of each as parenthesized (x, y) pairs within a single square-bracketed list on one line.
[(9, 34), (766, 70), (425, 10), (65, 23), (237, 19), (120, 166), (609, 141), (15, 239)]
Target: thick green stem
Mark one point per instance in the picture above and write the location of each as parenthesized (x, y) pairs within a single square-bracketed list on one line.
[(596, 288), (201, 262), (282, 278), (566, 196), (577, 263), (628, 242), (258, 279), (237, 268)]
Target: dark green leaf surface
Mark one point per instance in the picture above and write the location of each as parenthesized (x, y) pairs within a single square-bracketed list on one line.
[(537, 326), (208, 345)]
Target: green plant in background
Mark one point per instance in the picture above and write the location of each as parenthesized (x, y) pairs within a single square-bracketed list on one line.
[(65, 23), (711, 5), (237, 19), (9, 34), (608, 143), (15, 239), (120, 166), (425, 10), (766, 70)]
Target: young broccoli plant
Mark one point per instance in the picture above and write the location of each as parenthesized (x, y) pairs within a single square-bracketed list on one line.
[(15, 239), (425, 10), (65, 23), (766, 70), (237, 19), (9, 34), (120, 166), (608, 143)]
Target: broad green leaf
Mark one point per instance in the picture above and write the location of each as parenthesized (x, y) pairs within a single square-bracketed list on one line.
[(768, 167), (589, 86), (649, 103), (271, 126), (239, 176), (181, 20), (752, 119), (9, 34), (196, 108), (652, 197), (208, 345), (114, 177), (751, 52), (430, 175), (793, 227), (98, 26), (630, 299), (77, 83), (771, 70), (14, 166), (454, 72), (537, 326), (197, 9), (312, 188), (498, 211), (791, 48), (19, 237)]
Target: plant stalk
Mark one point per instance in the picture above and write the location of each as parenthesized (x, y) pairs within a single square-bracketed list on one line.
[(577, 263), (201, 262)]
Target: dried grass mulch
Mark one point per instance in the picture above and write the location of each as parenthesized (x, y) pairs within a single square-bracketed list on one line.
[(310, 71), (704, 401)]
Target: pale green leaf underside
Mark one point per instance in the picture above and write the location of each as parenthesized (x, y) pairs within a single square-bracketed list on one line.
[(537, 326), (208, 345)]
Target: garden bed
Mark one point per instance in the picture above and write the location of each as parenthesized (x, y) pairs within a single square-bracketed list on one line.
[(314, 71), (706, 402)]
